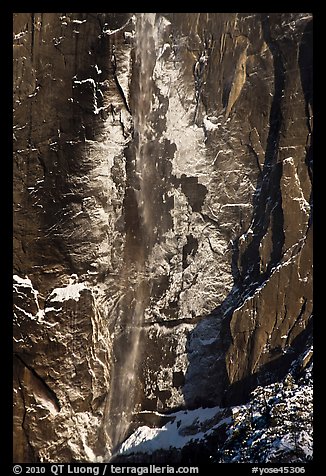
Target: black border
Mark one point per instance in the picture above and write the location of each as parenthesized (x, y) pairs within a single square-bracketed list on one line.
[(6, 81)]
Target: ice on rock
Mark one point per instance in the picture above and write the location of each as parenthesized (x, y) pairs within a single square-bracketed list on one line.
[(71, 291)]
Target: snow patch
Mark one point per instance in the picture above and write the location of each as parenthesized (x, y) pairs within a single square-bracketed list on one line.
[(20, 34), (210, 123), (268, 428), (52, 309), (88, 80), (71, 291), (174, 434), (26, 282)]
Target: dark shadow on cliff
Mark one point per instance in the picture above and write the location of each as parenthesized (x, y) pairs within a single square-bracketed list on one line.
[(305, 60), (206, 378)]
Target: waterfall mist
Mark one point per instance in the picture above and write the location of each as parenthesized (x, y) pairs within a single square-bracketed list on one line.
[(135, 281)]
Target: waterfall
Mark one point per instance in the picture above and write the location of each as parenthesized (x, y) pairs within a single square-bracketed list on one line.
[(135, 282), (145, 34)]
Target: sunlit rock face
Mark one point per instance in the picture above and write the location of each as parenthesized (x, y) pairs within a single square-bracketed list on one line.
[(162, 219)]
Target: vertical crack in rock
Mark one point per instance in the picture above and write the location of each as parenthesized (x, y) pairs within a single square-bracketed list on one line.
[(267, 199), (32, 35), (25, 429), (306, 73), (199, 77), (120, 88)]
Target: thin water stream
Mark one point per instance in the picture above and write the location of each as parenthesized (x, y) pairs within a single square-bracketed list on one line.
[(135, 283)]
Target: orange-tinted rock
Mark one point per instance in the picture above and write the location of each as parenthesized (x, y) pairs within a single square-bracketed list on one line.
[(162, 181)]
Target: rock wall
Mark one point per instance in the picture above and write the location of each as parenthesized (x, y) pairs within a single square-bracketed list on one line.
[(162, 218)]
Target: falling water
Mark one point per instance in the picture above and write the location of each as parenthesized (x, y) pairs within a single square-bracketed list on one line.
[(134, 281), (146, 33)]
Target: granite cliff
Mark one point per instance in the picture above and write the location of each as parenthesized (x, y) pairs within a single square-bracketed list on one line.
[(162, 223)]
